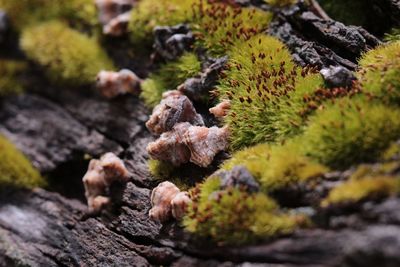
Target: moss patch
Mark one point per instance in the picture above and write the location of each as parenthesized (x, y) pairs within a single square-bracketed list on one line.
[(24, 13), (266, 90), (150, 13), (168, 77), (10, 72), (69, 56), (220, 27), (15, 169), (234, 216), (380, 72), (276, 166), (350, 132), (357, 190)]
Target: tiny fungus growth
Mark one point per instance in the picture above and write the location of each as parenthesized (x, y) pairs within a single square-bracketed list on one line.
[(221, 109), (99, 177), (168, 201), (112, 84), (114, 15), (186, 142), (173, 108)]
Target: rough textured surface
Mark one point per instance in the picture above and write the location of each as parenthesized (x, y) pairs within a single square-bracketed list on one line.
[(315, 41), (172, 42), (48, 134)]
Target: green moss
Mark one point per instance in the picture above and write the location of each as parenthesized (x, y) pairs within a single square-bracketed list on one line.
[(350, 132), (280, 3), (393, 35), (24, 13), (233, 216), (68, 56), (15, 168), (168, 77), (10, 71), (276, 166), (220, 27), (160, 169), (354, 191), (392, 152), (150, 13), (380, 72), (266, 90)]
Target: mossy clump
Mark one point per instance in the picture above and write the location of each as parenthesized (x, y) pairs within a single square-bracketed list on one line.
[(10, 71), (168, 77), (15, 169), (68, 56), (276, 166), (266, 90), (219, 26), (233, 216), (150, 13), (281, 3), (357, 190), (160, 169), (393, 35), (24, 13), (350, 131), (380, 72)]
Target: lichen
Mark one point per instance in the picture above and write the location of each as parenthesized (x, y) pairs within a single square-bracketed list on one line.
[(233, 216), (25, 13), (380, 72), (69, 56), (10, 71), (15, 169), (168, 77), (266, 90), (350, 131), (357, 190), (276, 166)]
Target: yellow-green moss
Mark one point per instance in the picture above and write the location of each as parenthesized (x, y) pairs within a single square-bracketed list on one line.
[(393, 35), (160, 169), (220, 27), (15, 169), (392, 151), (357, 190), (266, 90), (351, 131), (168, 77), (280, 3), (150, 13), (10, 71), (380, 72), (24, 13), (233, 216), (276, 166), (67, 55)]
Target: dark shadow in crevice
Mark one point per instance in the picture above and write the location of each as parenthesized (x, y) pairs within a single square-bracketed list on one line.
[(66, 179)]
